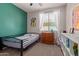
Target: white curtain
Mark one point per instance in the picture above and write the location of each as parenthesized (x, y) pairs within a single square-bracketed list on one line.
[(52, 18)]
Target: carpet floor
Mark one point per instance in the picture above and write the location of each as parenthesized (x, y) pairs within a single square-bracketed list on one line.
[(39, 49)]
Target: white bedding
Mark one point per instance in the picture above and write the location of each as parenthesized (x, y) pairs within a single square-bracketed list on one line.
[(27, 40)]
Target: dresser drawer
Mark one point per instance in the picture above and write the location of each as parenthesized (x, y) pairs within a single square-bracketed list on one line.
[(47, 38)]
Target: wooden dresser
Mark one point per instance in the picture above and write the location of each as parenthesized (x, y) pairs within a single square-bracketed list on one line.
[(47, 37)]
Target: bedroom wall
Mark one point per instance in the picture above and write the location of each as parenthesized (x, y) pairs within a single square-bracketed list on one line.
[(62, 23), (29, 27), (65, 22), (13, 21), (36, 14), (69, 10)]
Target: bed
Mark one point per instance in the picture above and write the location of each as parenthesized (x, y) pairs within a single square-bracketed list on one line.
[(20, 42)]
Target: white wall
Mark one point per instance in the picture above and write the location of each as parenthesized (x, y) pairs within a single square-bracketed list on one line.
[(62, 23), (70, 7), (33, 29)]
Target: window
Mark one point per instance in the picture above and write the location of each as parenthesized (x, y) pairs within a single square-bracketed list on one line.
[(49, 21)]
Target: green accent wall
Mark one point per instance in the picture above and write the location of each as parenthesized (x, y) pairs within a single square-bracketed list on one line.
[(13, 21)]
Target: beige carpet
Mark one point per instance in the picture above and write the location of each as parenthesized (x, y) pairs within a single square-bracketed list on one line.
[(38, 49)]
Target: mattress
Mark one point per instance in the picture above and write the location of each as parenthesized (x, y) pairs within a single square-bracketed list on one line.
[(16, 41)]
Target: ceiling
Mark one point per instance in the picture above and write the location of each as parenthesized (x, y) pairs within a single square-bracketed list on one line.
[(36, 7)]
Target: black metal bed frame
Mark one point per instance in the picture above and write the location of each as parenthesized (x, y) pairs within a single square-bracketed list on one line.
[(21, 49)]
